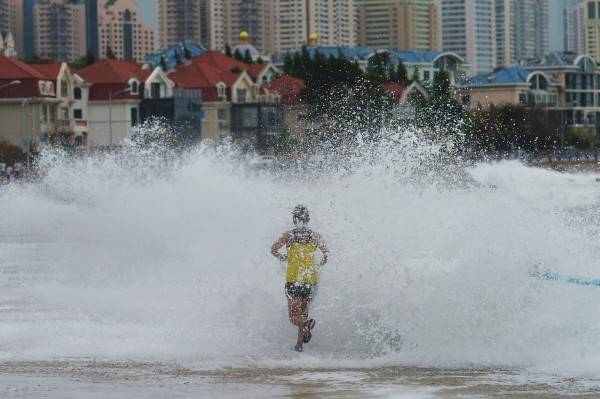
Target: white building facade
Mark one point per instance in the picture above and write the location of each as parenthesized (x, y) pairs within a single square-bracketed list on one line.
[(574, 29), (521, 30), (469, 30)]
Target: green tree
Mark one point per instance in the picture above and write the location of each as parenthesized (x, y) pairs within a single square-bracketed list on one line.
[(88, 59), (507, 127), (259, 60), (288, 65), (247, 57), (228, 50), (377, 70), (440, 113), (187, 54), (238, 55), (401, 75), (415, 75), (36, 59), (110, 54), (163, 63), (178, 59)]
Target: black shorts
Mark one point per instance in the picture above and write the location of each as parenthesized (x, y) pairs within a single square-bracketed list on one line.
[(299, 290)]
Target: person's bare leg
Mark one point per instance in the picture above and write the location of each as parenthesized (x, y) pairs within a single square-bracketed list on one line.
[(296, 308)]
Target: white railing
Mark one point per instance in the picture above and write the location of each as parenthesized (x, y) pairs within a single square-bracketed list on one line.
[(268, 99)]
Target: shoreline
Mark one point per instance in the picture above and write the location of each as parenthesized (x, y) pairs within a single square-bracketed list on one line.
[(96, 379)]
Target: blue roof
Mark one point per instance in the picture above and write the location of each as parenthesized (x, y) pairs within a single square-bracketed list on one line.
[(513, 75), (170, 54), (351, 53), (362, 53), (416, 56)]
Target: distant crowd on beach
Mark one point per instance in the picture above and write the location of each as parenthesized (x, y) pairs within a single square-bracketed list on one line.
[(10, 173)]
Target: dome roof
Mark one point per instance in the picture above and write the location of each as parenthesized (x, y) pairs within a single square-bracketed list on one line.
[(242, 48)]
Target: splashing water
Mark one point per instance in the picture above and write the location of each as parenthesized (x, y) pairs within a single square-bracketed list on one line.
[(126, 256)]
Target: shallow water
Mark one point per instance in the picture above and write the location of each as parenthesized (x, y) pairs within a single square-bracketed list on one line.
[(434, 274), (97, 379)]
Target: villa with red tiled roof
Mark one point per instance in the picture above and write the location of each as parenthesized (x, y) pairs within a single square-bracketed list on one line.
[(32, 104), (64, 82), (116, 91), (226, 84), (98, 105)]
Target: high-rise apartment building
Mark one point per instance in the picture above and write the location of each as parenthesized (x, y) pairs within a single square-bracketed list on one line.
[(542, 35), (211, 24), (556, 15), (591, 21), (469, 29), (16, 22), (244, 16), (28, 33), (274, 26), (121, 29), (59, 30), (406, 24), (179, 21), (91, 23), (290, 22), (5, 16), (574, 29), (11, 21), (521, 30)]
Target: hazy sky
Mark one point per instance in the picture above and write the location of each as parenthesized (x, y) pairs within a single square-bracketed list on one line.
[(148, 11)]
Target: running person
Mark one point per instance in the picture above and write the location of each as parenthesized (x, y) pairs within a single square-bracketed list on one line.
[(302, 275)]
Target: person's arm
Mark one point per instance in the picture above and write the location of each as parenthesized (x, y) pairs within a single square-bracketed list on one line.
[(280, 243), (323, 248)]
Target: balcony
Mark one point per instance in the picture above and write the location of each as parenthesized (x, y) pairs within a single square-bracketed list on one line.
[(268, 99), (62, 125)]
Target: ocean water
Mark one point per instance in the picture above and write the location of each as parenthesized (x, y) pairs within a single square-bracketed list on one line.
[(142, 258)]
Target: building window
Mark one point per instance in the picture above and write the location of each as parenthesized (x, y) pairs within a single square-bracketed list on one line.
[(134, 116), (133, 86), (77, 93), (221, 90), (522, 98), (241, 95), (222, 115), (155, 90), (77, 114), (64, 92), (265, 80), (592, 10), (426, 75), (466, 100)]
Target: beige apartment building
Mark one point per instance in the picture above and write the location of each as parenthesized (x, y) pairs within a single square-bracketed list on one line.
[(291, 22), (179, 22), (59, 30), (591, 22), (11, 20), (521, 30), (404, 24), (5, 16), (121, 28), (274, 26)]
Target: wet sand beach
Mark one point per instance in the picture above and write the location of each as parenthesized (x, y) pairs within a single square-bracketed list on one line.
[(96, 379)]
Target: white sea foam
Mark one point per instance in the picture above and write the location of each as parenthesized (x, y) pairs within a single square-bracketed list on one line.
[(128, 257)]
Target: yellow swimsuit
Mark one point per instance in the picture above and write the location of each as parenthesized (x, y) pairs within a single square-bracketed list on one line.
[(301, 263)]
